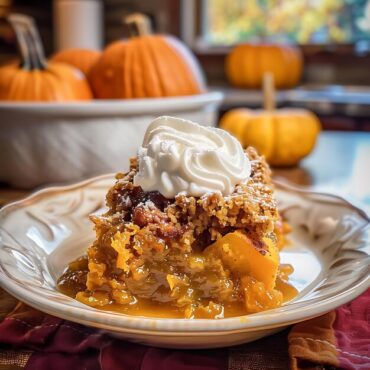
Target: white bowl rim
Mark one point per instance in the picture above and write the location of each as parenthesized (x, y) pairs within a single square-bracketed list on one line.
[(157, 326), (121, 107)]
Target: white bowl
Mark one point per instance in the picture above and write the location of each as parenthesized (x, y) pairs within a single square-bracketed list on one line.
[(43, 143), (330, 248)]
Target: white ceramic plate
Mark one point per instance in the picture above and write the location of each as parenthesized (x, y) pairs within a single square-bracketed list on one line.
[(330, 248)]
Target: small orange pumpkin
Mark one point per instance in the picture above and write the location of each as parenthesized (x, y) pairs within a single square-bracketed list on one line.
[(145, 66), (82, 59), (283, 136), (247, 63), (34, 79)]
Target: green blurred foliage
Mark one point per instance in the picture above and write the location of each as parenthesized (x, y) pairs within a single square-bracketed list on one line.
[(293, 21)]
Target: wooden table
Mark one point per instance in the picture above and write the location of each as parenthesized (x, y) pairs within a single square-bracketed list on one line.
[(340, 163)]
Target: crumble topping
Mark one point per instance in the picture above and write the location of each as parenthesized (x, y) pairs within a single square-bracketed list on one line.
[(251, 206)]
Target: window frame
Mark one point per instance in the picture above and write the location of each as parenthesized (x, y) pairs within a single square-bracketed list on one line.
[(191, 28)]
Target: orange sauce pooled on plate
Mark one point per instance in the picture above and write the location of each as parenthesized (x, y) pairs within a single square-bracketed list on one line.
[(73, 281)]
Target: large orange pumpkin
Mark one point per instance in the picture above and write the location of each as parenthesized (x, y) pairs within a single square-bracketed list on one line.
[(145, 66), (247, 63), (34, 79), (283, 136), (82, 59)]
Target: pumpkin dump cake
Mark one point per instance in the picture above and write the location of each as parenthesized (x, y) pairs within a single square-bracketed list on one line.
[(192, 231)]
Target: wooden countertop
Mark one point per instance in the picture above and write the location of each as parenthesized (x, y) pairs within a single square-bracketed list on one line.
[(339, 164)]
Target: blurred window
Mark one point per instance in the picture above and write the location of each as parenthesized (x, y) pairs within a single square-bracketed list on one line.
[(226, 22)]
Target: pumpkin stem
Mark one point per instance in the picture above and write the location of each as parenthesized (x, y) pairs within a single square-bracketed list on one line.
[(269, 102), (29, 41), (138, 24)]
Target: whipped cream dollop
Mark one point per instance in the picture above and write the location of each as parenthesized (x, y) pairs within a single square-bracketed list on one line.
[(181, 157)]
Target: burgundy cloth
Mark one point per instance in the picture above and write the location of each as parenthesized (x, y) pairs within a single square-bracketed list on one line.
[(352, 331), (60, 345)]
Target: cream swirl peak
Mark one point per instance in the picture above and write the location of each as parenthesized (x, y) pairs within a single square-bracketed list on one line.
[(180, 156)]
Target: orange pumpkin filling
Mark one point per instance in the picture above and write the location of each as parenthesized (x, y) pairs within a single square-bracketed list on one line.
[(208, 257)]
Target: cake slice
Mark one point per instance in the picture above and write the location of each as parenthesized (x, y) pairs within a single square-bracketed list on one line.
[(192, 229)]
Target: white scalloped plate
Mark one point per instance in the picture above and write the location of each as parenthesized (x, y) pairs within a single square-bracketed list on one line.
[(330, 248)]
